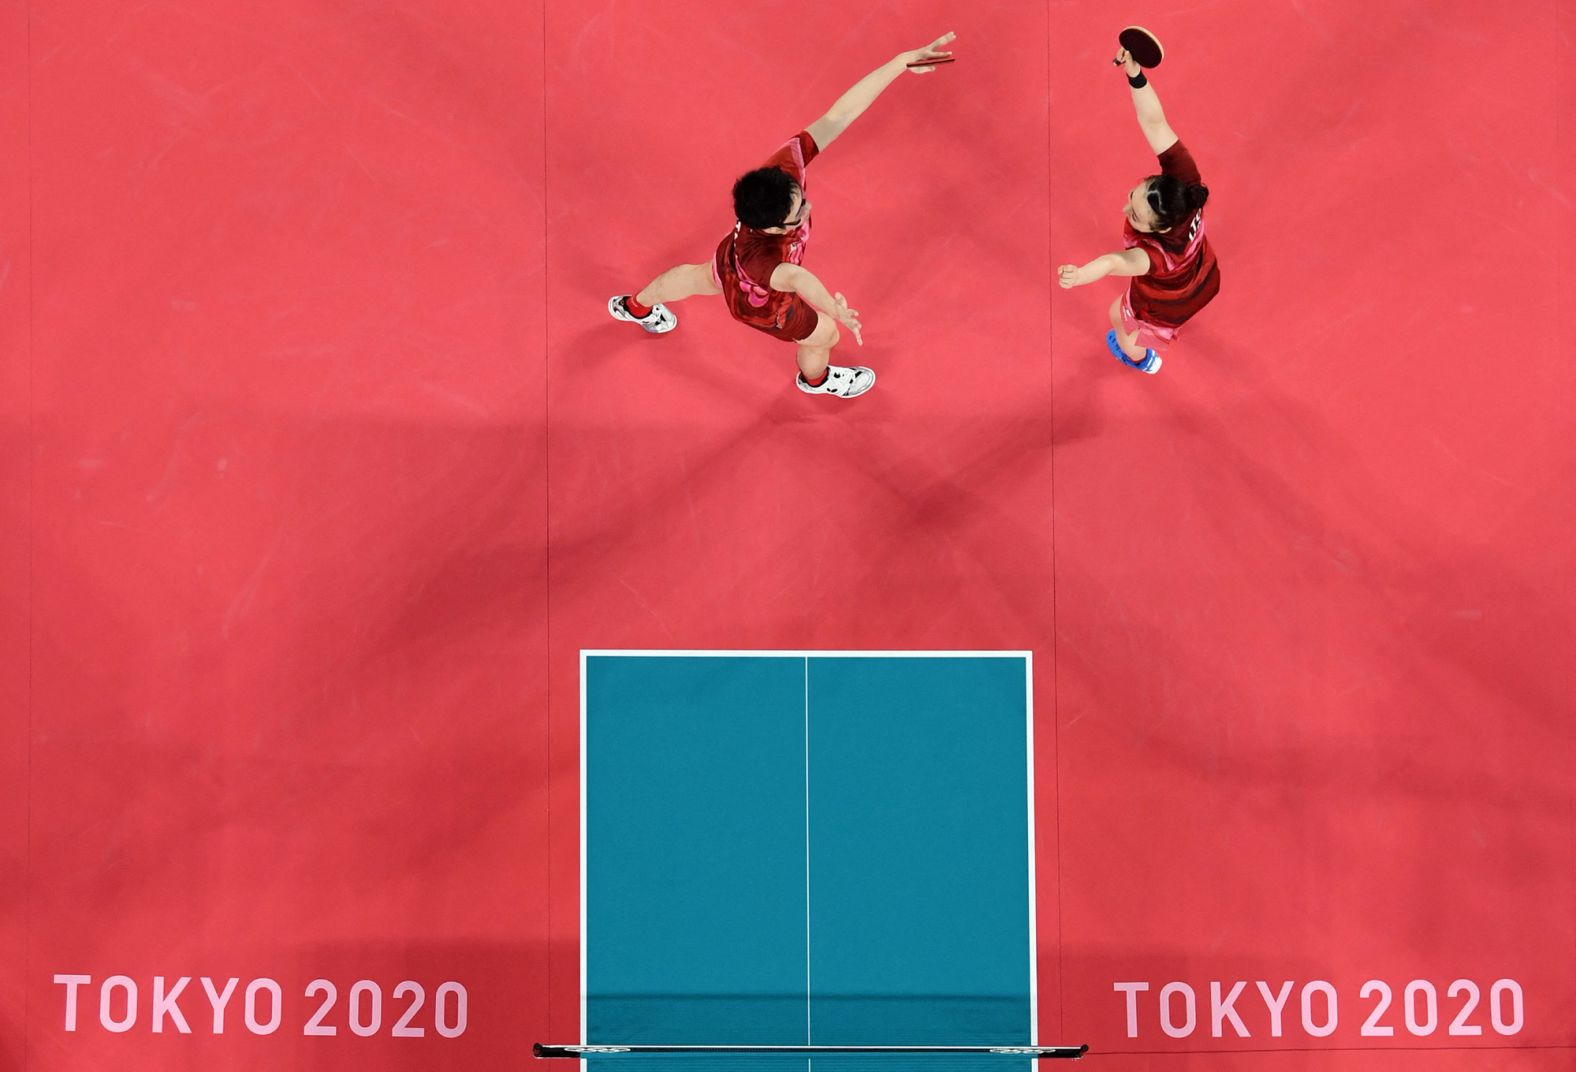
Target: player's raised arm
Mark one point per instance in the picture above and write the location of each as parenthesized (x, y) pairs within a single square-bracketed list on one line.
[(1129, 262), (1146, 102), (852, 105)]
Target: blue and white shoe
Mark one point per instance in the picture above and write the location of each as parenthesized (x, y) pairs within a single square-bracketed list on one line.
[(1150, 363), (660, 321)]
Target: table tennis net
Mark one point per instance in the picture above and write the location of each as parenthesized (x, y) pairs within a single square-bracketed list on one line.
[(674, 1057)]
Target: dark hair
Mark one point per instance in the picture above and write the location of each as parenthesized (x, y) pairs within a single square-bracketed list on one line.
[(1173, 201), (762, 198)]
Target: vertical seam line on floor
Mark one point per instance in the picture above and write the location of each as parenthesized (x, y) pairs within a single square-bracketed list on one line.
[(547, 584), (32, 478), (1056, 676)]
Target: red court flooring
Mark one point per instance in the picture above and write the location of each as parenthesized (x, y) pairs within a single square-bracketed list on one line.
[(322, 461)]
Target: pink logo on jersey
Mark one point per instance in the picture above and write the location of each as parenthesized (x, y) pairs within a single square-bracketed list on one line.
[(756, 295)]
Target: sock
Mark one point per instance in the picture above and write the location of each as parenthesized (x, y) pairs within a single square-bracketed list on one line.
[(638, 311), (819, 380)]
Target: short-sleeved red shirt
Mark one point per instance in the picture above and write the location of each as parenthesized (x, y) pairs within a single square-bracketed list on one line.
[(746, 258), (1183, 274)]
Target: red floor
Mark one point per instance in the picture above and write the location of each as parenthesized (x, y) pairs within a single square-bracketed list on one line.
[(320, 461)]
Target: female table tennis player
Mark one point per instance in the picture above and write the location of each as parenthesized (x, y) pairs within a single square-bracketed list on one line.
[(1173, 268)]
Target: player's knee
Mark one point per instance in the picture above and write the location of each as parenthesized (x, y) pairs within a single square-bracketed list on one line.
[(837, 336)]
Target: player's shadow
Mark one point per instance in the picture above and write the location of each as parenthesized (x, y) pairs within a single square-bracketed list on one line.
[(1081, 392), (952, 504), (1379, 587), (580, 540)]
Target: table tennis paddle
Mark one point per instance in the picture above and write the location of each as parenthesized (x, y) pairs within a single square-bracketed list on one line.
[(1142, 45)]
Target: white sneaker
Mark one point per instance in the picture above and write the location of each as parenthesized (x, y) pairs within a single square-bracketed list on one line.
[(660, 321), (840, 381)]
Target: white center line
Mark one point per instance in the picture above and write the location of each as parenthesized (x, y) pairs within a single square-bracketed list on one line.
[(807, 1038)]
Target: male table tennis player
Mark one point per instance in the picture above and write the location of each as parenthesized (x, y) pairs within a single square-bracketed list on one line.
[(759, 267)]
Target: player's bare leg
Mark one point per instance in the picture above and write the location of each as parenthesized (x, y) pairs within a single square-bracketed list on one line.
[(1133, 355), (648, 309), (678, 283), (1128, 341), (815, 352)]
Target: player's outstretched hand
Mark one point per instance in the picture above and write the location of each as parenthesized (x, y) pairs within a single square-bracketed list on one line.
[(930, 54), (1068, 277), (1128, 64), (847, 317)]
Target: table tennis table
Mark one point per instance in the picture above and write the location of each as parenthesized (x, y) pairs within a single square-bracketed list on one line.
[(807, 848)]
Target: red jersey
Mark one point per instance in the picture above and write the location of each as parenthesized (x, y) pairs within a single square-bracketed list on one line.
[(1183, 275), (746, 258)]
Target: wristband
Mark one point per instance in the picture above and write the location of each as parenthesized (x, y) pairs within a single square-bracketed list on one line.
[(1137, 81)]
